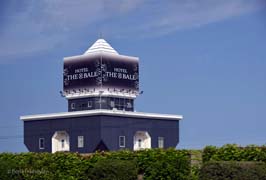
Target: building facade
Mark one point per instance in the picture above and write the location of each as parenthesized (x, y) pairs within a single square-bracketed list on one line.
[(100, 86)]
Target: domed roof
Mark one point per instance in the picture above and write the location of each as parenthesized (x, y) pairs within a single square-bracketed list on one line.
[(101, 46)]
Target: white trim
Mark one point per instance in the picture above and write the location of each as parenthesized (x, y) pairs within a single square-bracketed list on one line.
[(101, 112), (124, 139), (102, 93), (103, 54), (40, 143)]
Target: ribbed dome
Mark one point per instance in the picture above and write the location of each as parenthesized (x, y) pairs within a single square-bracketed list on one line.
[(101, 46)]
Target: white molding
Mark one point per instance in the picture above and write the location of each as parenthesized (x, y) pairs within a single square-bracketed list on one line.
[(101, 112), (99, 54), (104, 93)]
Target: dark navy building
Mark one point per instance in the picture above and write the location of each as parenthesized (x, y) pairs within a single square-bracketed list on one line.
[(100, 86)]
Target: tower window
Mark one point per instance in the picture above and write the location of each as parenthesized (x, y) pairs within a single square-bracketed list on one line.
[(160, 142), (89, 104), (41, 143), (73, 105), (122, 141), (80, 141), (112, 104), (129, 105), (117, 102)]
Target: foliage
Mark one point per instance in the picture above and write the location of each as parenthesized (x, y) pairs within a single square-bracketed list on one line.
[(233, 162), (196, 163), (232, 152), (164, 164), (43, 166), (194, 174), (232, 170), (110, 169), (8, 166), (156, 163), (153, 163)]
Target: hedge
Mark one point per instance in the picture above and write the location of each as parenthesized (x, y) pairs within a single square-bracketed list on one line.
[(233, 162), (43, 166), (232, 152), (232, 170), (110, 169), (152, 163), (164, 164)]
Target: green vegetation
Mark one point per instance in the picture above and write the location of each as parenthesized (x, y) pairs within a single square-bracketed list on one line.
[(233, 162), (110, 169), (120, 165), (227, 162), (231, 152), (233, 170)]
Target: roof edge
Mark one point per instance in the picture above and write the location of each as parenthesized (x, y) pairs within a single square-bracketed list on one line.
[(100, 112), (84, 56)]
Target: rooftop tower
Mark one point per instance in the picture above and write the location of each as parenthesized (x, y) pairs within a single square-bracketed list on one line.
[(101, 78)]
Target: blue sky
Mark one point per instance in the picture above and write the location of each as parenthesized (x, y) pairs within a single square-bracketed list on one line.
[(203, 59)]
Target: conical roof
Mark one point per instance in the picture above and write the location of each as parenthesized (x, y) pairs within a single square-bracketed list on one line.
[(101, 46)]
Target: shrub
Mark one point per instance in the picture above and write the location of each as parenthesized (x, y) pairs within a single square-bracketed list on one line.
[(42, 166), (196, 162), (8, 167), (232, 152), (153, 163), (111, 169), (208, 153), (164, 164), (232, 170)]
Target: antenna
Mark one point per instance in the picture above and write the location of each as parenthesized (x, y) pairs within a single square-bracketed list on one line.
[(100, 34)]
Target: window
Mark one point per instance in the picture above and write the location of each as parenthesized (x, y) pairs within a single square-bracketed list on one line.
[(122, 141), (112, 104), (160, 142), (129, 105), (89, 104), (72, 105), (80, 141), (41, 143)]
